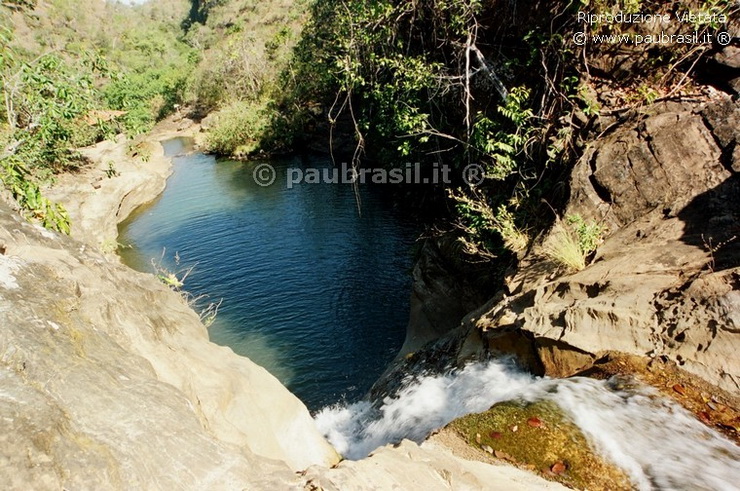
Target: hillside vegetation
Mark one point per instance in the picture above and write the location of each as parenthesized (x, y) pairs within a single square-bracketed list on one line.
[(71, 76), (503, 86), (247, 49), (495, 84)]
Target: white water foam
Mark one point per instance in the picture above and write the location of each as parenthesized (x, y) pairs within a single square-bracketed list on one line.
[(658, 443)]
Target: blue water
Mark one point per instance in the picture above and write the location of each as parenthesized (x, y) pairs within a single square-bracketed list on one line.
[(312, 291)]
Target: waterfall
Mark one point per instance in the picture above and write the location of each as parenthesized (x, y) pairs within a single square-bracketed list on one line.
[(659, 444)]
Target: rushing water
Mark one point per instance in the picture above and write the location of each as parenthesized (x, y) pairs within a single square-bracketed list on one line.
[(319, 296), (311, 291), (659, 444)]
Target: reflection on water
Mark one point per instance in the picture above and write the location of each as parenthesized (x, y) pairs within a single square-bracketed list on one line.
[(313, 292)]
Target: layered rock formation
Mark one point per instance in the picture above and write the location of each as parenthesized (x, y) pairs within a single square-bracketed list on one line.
[(108, 377), (665, 282), (122, 175), (108, 380)]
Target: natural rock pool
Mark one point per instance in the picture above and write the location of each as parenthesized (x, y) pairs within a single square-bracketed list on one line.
[(318, 295), (312, 291)]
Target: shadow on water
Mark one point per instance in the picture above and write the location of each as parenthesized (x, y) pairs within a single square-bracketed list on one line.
[(313, 292)]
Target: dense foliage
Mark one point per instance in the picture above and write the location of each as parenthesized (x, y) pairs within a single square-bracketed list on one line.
[(498, 84), (422, 81), (80, 83), (245, 45)]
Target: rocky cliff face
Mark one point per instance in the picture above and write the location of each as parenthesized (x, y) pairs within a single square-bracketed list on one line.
[(665, 282), (108, 375), (109, 378), (443, 292)]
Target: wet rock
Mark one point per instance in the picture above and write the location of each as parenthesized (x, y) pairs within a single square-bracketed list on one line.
[(545, 440)]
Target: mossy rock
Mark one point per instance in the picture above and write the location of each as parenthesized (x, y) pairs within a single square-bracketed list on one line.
[(539, 437)]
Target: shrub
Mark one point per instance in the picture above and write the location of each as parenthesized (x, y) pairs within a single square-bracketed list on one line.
[(175, 280), (57, 100), (478, 221), (564, 249), (146, 97), (571, 243), (15, 177), (239, 128), (589, 235)]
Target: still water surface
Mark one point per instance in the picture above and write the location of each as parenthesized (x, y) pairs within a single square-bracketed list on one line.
[(312, 291)]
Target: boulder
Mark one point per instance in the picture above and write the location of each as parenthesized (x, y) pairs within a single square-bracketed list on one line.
[(666, 280), (108, 379)]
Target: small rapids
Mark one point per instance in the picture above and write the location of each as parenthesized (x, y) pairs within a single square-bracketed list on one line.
[(659, 444)]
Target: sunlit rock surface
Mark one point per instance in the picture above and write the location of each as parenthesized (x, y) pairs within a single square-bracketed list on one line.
[(108, 376)]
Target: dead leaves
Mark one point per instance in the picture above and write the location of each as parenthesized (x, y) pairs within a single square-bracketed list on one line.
[(558, 468), (680, 389)]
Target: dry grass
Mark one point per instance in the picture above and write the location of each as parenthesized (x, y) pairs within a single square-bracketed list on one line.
[(564, 248), (206, 310)]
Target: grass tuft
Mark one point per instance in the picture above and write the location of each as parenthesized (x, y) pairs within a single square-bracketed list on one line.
[(571, 243), (564, 249)]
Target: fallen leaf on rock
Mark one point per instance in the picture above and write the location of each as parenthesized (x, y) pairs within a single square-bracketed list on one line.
[(704, 417), (679, 388), (503, 455), (495, 435), (534, 422), (558, 468)]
